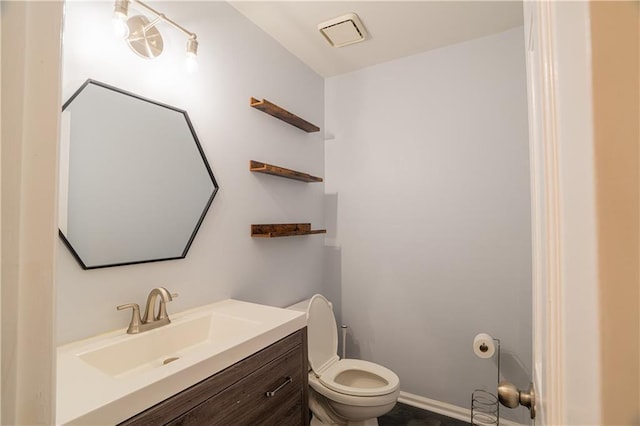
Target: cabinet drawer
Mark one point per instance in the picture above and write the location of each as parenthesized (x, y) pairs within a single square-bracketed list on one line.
[(247, 403), (290, 413)]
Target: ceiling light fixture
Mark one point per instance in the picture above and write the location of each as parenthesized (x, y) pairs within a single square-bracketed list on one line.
[(142, 35)]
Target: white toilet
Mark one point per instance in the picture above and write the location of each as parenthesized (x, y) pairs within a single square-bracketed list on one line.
[(343, 391)]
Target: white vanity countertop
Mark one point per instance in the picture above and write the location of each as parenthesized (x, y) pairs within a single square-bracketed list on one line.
[(87, 394)]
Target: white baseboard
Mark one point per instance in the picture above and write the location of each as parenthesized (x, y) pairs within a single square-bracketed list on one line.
[(443, 408)]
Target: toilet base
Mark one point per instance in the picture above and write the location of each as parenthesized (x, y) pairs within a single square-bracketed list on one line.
[(322, 413), (370, 422)]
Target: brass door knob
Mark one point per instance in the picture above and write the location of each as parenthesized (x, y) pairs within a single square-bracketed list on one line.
[(510, 396)]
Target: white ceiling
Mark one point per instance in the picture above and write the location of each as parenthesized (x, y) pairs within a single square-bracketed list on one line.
[(396, 28)]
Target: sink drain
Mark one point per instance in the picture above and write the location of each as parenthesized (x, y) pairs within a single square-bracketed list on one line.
[(171, 359)]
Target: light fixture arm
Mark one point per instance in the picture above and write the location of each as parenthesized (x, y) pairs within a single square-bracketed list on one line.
[(152, 24), (162, 17)]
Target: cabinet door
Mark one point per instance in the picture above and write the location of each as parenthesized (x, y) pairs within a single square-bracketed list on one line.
[(247, 401), (174, 408)]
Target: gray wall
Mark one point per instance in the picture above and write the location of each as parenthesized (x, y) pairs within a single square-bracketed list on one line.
[(236, 61), (428, 179), (426, 200)]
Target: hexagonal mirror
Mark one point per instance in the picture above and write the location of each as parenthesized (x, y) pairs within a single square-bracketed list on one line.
[(135, 184)]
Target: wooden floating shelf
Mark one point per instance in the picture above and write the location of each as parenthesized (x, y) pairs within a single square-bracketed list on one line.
[(284, 230), (258, 167), (284, 115)]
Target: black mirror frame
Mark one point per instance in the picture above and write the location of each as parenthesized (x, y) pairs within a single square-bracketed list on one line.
[(202, 154)]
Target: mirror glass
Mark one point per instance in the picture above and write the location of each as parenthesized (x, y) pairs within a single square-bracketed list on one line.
[(134, 182)]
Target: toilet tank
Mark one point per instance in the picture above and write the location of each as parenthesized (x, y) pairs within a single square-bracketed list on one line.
[(302, 305)]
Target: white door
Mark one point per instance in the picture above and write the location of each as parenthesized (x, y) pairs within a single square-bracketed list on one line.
[(565, 294)]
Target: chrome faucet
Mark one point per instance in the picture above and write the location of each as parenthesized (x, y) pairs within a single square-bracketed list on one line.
[(151, 318)]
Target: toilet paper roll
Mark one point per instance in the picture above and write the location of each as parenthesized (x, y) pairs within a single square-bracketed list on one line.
[(483, 346)]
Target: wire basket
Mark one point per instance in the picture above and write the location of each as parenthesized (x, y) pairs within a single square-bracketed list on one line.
[(485, 409)]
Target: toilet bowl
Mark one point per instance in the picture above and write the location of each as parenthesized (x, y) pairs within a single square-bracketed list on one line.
[(343, 391)]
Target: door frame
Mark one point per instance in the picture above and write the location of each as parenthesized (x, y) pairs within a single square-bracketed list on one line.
[(30, 69)]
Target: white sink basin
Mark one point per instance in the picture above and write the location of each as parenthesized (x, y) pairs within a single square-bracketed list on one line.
[(133, 354), (111, 377)]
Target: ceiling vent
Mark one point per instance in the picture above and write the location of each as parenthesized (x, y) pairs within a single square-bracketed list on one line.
[(343, 30)]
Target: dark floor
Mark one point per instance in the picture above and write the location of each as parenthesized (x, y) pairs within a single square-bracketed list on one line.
[(406, 415)]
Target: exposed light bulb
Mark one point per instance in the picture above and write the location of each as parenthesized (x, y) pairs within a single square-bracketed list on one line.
[(192, 63), (120, 27), (120, 12), (192, 53)]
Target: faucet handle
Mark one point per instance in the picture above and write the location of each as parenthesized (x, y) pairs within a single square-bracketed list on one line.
[(134, 306), (174, 295), (134, 325)]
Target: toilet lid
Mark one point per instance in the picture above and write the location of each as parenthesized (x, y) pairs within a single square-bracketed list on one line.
[(322, 334)]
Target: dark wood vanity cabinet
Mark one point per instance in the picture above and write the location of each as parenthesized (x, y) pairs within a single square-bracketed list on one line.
[(268, 388)]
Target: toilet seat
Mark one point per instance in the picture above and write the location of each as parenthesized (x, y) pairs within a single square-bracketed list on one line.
[(372, 379), (356, 401)]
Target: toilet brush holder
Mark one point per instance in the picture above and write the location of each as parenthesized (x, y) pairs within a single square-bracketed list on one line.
[(343, 329)]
